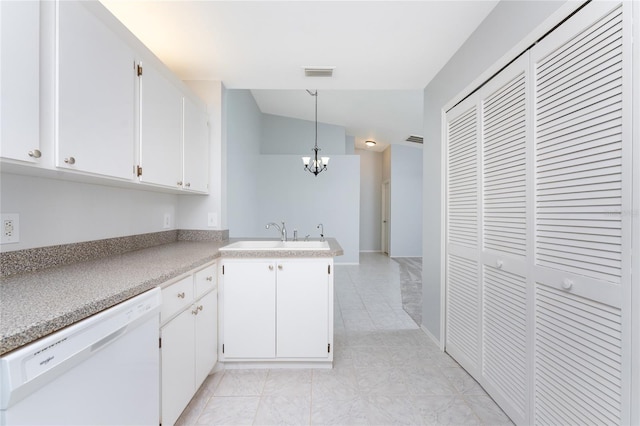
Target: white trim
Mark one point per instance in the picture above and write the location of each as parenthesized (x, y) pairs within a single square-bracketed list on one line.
[(370, 251), (346, 263), (563, 12), (635, 220), (443, 228)]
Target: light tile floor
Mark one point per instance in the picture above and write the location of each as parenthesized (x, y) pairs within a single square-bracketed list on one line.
[(386, 371)]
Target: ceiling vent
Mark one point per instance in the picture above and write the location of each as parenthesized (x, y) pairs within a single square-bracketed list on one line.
[(318, 71), (415, 139)]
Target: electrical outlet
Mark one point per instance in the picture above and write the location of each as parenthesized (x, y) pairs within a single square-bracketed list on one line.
[(212, 219), (167, 220), (10, 223)]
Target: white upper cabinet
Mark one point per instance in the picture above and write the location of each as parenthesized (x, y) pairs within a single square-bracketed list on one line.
[(196, 148), (160, 129), (95, 95), (20, 80), (73, 100)]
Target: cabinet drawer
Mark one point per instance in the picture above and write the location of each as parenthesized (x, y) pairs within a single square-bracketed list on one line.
[(206, 279), (176, 296)]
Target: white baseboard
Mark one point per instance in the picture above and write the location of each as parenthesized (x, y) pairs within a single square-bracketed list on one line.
[(370, 251)]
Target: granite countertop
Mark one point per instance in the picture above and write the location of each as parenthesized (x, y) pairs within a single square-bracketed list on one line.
[(35, 304)]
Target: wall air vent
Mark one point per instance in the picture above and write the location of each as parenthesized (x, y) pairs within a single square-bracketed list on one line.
[(318, 71), (415, 139)]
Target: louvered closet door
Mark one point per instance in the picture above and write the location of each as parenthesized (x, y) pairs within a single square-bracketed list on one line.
[(463, 293), (582, 234), (505, 132)]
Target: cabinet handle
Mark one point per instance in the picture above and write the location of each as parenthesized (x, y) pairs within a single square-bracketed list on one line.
[(194, 312), (199, 308), (179, 183), (181, 295), (271, 267), (209, 278), (188, 185), (35, 153), (70, 160), (280, 267)]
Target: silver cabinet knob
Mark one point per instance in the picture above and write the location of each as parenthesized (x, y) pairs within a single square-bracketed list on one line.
[(499, 263), (35, 153), (70, 160), (271, 267), (199, 308), (188, 185), (179, 183), (280, 267), (194, 312), (209, 278), (181, 295)]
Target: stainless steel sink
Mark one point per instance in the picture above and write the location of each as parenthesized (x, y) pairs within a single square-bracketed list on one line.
[(277, 245)]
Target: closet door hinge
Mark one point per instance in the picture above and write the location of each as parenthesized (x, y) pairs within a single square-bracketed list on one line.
[(138, 171), (329, 269), (223, 348), (222, 274), (139, 70), (160, 342), (328, 348)]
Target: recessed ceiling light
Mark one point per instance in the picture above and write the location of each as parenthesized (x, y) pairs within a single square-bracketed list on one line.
[(370, 143)]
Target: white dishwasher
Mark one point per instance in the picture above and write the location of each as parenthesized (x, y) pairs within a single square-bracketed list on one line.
[(103, 370)]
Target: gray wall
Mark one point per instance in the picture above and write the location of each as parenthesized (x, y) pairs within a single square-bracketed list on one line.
[(506, 25), (283, 135), (62, 212), (274, 187), (406, 201), (243, 162), (302, 200), (370, 199)]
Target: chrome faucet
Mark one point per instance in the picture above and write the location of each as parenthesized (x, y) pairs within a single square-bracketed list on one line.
[(282, 230), (321, 228)]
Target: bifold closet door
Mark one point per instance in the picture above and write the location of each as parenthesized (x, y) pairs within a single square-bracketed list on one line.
[(504, 103), (582, 139), (463, 289), (487, 237)]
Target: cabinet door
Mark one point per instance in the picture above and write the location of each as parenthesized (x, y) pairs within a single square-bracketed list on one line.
[(178, 378), (160, 130), (196, 148), (95, 95), (206, 351), (20, 80), (249, 303), (303, 309)]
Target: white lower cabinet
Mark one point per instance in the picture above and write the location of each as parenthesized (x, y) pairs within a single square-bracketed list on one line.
[(188, 339), (277, 310)]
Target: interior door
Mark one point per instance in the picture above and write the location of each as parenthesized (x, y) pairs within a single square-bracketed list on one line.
[(386, 215)]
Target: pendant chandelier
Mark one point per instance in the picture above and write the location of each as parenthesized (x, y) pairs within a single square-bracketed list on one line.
[(316, 165)]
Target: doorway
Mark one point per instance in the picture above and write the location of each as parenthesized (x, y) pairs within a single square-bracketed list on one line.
[(386, 215)]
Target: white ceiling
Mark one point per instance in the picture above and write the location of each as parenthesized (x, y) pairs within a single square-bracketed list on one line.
[(384, 53)]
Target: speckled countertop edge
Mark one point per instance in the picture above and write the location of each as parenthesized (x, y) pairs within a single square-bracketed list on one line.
[(35, 304), (334, 250)]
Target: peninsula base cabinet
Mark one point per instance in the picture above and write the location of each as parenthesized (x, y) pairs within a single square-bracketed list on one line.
[(277, 311), (188, 339)]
